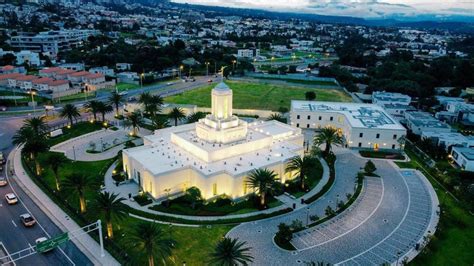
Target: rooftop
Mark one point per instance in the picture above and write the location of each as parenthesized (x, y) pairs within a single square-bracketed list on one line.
[(390, 97), (357, 114), (466, 152), (423, 119), (160, 155)]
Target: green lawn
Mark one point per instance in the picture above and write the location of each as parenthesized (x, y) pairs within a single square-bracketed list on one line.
[(75, 97), (452, 244), (76, 130), (193, 244), (302, 81), (126, 86), (258, 95)]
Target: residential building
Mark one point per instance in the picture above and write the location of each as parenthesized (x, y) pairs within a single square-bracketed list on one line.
[(51, 41), (216, 154), (103, 70), (419, 122), (28, 57), (123, 66), (362, 125), (448, 139), (248, 53), (463, 157), (73, 66)]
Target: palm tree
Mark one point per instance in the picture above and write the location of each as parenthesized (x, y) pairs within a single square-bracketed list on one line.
[(93, 107), (151, 103), (329, 136), (55, 161), (230, 252), (277, 117), (37, 124), (149, 240), (115, 99), (263, 182), (194, 117), (134, 120), (33, 144), (159, 122), (78, 184), (104, 108), (300, 166), (177, 114), (70, 112), (145, 98), (110, 205)]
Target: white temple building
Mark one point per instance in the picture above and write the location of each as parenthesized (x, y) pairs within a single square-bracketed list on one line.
[(215, 154)]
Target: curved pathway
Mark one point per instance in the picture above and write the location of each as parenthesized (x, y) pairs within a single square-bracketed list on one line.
[(382, 226)]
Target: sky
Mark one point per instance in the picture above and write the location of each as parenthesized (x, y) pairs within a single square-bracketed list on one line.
[(356, 8)]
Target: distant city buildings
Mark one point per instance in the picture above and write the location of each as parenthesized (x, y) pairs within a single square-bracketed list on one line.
[(51, 42)]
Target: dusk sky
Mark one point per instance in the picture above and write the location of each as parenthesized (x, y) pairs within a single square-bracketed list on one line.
[(358, 8)]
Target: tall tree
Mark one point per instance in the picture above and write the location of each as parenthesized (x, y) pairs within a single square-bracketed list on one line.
[(55, 161), (328, 136), (134, 120), (263, 182), (93, 107), (159, 122), (115, 99), (33, 144), (277, 117), (70, 112), (230, 252), (301, 167), (150, 241), (194, 117), (111, 207), (37, 124), (104, 108), (78, 184), (176, 114)]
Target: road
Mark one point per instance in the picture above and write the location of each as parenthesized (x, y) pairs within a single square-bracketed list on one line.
[(13, 234)]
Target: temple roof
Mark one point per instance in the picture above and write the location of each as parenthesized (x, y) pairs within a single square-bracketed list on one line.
[(222, 87)]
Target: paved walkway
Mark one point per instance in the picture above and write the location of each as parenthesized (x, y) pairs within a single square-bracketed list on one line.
[(76, 148), (132, 188), (383, 226), (85, 243)]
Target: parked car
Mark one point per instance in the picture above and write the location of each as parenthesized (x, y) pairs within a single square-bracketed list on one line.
[(11, 198), (3, 181), (27, 220), (169, 83)]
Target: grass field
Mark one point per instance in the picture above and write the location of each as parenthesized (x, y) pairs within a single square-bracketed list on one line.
[(452, 244), (258, 95)]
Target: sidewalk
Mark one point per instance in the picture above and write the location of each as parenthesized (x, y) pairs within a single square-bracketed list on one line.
[(85, 243)]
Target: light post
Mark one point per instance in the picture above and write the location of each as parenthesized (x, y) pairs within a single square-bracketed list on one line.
[(141, 80), (307, 217), (33, 100), (215, 67), (273, 58), (207, 69), (181, 67), (233, 65)]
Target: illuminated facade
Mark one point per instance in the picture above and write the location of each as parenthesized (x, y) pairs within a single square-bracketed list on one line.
[(216, 154)]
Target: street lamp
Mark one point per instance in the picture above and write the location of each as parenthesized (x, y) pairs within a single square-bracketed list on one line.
[(273, 58), (233, 65), (33, 100), (141, 80), (207, 69), (307, 217), (181, 67)]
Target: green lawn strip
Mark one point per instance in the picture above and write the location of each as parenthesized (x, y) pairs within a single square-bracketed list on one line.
[(76, 130), (312, 179), (303, 81), (382, 154), (215, 208), (452, 243), (74, 97), (126, 86), (326, 187), (248, 95), (193, 244)]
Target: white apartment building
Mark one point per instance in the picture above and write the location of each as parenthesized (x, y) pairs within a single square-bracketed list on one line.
[(102, 70), (396, 104), (419, 122), (463, 157), (24, 56), (51, 41), (448, 139), (362, 125), (248, 53)]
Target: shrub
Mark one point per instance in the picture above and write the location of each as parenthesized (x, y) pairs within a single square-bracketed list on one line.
[(296, 225), (348, 196), (142, 199), (313, 218), (369, 168), (284, 234), (329, 211)]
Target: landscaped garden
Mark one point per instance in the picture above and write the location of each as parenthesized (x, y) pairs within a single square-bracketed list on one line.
[(263, 96), (394, 155)]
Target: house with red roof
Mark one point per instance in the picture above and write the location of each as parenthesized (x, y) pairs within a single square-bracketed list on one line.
[(49, 72), (25, 82), (41, 84), (5, 77)]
